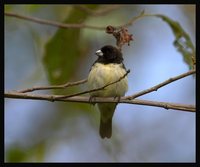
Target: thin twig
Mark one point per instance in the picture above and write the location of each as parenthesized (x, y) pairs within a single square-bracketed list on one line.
[(52, 23), (71, 25), (82, 99), (156, 87), (53, 87), (94, 90)]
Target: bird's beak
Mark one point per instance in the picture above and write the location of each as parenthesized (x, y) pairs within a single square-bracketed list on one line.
[(99, 53)]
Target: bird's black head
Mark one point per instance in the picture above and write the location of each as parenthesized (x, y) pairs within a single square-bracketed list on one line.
[(109, 54)]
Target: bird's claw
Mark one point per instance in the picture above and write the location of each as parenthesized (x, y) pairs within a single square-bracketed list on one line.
[(91, 99), (118, 98)]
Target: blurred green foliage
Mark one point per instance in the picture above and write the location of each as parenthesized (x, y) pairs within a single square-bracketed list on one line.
[(35, 152), (182, 41), (64, 50)]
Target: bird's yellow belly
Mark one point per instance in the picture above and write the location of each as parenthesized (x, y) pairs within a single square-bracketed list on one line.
[(101, 75)]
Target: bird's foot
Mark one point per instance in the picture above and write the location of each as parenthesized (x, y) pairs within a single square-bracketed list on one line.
[(91, 99), (118, 98)]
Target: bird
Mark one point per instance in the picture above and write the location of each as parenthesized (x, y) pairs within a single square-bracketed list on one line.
[(106, 69)]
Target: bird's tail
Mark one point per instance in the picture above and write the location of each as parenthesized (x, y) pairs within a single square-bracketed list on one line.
[(106, 112), (105, 129)]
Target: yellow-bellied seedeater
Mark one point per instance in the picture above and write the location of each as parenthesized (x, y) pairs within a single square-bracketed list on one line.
[(106, 69)]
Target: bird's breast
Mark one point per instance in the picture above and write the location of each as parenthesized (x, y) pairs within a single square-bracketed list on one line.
[(103, 74)]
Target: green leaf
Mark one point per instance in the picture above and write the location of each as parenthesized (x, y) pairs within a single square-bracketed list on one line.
[(64, 49), (182, 41)]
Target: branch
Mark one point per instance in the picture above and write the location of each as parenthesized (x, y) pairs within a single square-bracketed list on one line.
[(70, 25), (53, 87), (81, 99), (127, 99), (52, 23), (156, 87)]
